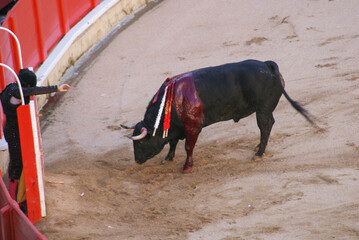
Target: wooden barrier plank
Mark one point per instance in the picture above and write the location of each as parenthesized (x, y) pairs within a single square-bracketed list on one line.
[(29, 163), (38, 155)]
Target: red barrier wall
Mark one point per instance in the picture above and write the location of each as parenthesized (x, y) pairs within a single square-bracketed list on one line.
[(39, 25)]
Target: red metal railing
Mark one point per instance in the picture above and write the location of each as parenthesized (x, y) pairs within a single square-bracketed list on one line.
[(14, 225)]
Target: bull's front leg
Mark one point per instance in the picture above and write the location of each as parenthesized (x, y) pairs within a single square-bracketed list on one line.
[(190, 110), (191, 139), (171, 153)]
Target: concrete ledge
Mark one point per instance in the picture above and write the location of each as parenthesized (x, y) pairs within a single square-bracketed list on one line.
[(94, 27)]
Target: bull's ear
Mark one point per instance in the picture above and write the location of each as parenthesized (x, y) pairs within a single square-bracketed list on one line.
[(128, 126), (141, 136)]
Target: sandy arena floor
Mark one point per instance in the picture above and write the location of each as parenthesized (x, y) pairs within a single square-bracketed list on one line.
[(306, 187)]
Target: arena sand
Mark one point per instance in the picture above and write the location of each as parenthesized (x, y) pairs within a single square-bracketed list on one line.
[(306, 187)]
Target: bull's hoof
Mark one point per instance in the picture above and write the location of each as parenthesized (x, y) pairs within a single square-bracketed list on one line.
[(187, 168), (169, 158), (166, 159), (257, 158)]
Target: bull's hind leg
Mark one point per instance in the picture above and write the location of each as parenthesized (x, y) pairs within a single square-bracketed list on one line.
[(265, 123)]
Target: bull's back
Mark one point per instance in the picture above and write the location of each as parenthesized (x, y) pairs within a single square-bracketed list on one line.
[(231, 91)]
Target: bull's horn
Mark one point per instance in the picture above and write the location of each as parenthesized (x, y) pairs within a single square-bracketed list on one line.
[(142, 135), (128, 127)]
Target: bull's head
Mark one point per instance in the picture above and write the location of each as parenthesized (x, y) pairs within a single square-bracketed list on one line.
[(145, 146)]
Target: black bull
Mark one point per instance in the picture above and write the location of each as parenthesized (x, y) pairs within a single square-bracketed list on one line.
[(209, 95)]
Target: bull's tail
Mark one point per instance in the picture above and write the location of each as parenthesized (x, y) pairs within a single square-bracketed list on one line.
[(275, 70)]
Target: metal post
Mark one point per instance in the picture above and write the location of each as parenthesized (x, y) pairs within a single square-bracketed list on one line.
[(17, 80), (17, 43)]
